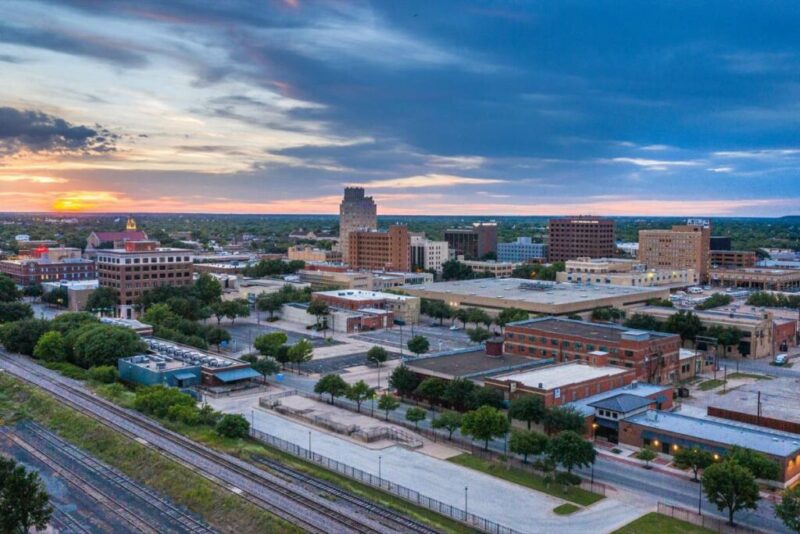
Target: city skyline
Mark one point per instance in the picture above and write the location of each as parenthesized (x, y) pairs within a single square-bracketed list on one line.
[(525, 110)]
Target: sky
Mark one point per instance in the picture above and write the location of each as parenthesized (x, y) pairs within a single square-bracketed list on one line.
[(683, 108)]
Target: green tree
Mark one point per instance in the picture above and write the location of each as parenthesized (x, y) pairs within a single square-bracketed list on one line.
[(359, 392), (233, 426), (22, 336), (431, 389), (105, 344), (236, 308), (318, 308), (484, 424), (726, 337), (377, 355), (460, 394), (58, 296), (478, 335), (50, 347), (105, 374), (455, 270), (529, 408), (684, 323), (640, 321), (267, 344), (102, 298), (8, 289), (663, 303), (266, 366), (387, 403), (156, 400), (478, 316), (607, 314), (731, 487), (561, 418), (33, 291), (415, 415), (270, 303), (403, 380), (300, 352), (510, 315), (14, 311), (569, 449), (68, 322), (207, 289), (333, 385), (216, 336), (647, 455), (24, 502), (525, 442), (488, 396), (715, 301), (758, 464), (450, 421), (788, 510), (439, 310), (694, 459), (418, 345)]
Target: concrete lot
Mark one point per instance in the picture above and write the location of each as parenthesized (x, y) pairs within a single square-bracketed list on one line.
[(441, 338), (339, 363)]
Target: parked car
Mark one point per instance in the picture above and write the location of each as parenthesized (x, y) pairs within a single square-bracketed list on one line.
[(781, 359)]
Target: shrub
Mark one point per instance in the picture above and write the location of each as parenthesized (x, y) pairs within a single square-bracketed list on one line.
[(106, 374), (233, 426)]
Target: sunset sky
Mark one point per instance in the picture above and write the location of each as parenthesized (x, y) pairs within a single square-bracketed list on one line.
[(436, 107)]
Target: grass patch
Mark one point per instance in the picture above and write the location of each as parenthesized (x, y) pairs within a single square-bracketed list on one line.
[(566, 509), (710, 384), (748, 375), (655, 523), (527, 479), (67, 369)]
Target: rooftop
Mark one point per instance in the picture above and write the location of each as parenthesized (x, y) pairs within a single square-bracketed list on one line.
[(471, 363), (707, 315), (537, 292), (622, 403), (584, 406), (584, 329), (726, 433), (360, 294), (557, 376)]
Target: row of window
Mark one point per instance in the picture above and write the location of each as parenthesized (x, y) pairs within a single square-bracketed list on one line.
[(129, 261)]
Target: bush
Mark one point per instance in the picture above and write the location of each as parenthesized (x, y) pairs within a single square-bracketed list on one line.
[(22, 336), (50, 347), (157, 400), (67, 369), (568, 479), (106, 374), (189, 415), (233, 426), (104, 345)]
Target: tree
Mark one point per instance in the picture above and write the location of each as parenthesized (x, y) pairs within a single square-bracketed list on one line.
[(569, 449), (105, 374), (359, 392), (318, 308), (460, 394), (647, 455), (439, 310), (715, 301), (33, 291), (450, 421), (525, 442), (418, 345), (726, 337), (8, 289), (684, 323), (487, 396), (300, 352), (236, 308), (640, 321), (758, 464), (266, 366), (478, 335), (387, 403), (334, 385), (479, 316), (68, 322), (14, 311), (157, 400), (22, 336), (510, 315), (207, 289), (455, 270), (377, 355), (105, 344), (50, 347), (267, 344), (560, 419), (269, 303), (403, 380), (694, 459), (58, 296), (462, 315), (788, 510), (233, 426), (484, 424), (607, 314), (529, 408), (216, 336), (415, 415), (729, 486), (102, 298), (431, 389), (24, 502)]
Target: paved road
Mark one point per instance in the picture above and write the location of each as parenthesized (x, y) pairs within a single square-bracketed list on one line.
[(763, 366), (659, 486), (338, 363)]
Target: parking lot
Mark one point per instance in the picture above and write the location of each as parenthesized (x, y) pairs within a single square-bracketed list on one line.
[(338, 363), (441, 338), (243, 335)]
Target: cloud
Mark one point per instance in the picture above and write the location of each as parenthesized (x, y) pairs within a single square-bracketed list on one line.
[(11, 178), (759, 153), (428, 180), (464, 163), (721, 169), (655, 164), (35, 131)]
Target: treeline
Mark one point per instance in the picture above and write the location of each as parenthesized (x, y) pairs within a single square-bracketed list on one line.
[(273, 268), (773, 300)]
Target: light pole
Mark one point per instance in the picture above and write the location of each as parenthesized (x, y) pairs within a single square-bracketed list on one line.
[(380, 477), (466, 501), (309, 444), (700, 498)]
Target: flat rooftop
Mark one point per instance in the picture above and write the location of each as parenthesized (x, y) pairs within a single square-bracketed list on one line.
[(726, 433), (471, 363), (584, 329), (535, 292), (360, 294), (561, 375), (728, 317)]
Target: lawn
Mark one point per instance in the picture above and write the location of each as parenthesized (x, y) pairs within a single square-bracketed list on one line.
[(566, 509), (734, 376), (527, 479), (710, 384), (655, 523)]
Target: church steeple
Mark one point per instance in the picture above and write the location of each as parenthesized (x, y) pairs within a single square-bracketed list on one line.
[(131, 223)]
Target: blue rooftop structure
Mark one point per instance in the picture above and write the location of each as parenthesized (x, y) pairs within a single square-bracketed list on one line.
[(237, 374), (585, 407)]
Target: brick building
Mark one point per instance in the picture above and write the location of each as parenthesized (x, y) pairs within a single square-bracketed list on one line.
[(652, 355), (733, 258), (139, 267), (685, 246), (404, 308), (390, 250), (580, 237), (473, 242), (356, 212), (33, 271)]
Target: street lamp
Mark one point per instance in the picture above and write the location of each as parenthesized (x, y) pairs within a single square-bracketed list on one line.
[(380, 477), (309, 444), (700, 499), (594, 431)]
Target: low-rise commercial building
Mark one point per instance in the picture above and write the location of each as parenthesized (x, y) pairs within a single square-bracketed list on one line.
[(78, 291), (309, 253), (339, 319), (652, 355), (33, 271), (693, 363), (623, 272), (403, 308), (757, 278), (736, 259), (523, 250), (428, 255), (551, 298), (498, 269)]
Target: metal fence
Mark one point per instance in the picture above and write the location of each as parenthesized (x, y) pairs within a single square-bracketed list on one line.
[(706, 521), (410, 495)]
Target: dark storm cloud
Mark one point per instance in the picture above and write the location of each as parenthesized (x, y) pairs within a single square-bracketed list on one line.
[(34, 131)]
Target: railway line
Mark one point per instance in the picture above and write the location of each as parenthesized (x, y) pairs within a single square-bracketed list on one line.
[(286, 499)]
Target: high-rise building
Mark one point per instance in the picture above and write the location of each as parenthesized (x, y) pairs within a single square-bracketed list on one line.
[(522, 250), (389, 250), (428, 255), (580, 237), (473, 242), (356, 212), (685, 246)]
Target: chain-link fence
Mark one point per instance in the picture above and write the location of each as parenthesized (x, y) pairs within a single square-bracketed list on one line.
[(706, 521)]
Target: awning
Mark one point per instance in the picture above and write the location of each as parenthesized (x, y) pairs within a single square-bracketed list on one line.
[(184, 376), (233, 375)]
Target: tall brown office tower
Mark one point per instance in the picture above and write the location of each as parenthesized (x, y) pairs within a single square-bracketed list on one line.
[(356, 212), (580, 237)]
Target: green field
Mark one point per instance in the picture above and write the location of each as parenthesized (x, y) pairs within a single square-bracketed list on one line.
[(655, 523), (710, 384), (566, 509)]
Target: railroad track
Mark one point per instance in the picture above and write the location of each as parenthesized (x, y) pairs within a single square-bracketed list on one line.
[(302, 508), (409, 525)]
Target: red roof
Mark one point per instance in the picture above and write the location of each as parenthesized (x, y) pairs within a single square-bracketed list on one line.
[(130, 235)]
